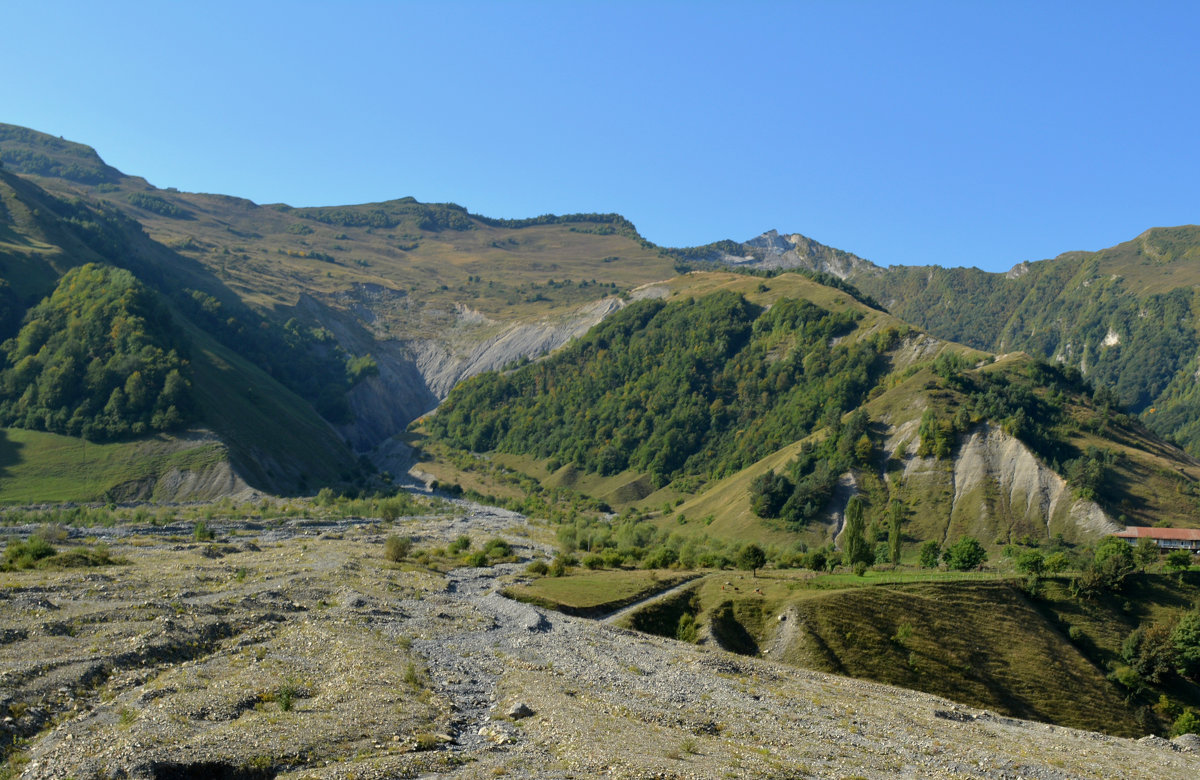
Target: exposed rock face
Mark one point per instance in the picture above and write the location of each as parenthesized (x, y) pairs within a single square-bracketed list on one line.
[(772, 250), (444, 362), (996, 474), (994, 487), (433, 351), (214, 479)]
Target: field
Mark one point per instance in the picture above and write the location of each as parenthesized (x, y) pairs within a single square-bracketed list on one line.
[(595, 594)]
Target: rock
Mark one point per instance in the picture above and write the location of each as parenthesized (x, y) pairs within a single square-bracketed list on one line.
[(1188, 743), (518, 711), (1158, 741)]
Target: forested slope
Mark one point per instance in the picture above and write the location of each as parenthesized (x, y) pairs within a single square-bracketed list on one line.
[(1124, 316)]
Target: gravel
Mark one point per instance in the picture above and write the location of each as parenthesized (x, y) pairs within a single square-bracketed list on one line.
[(302, 653)]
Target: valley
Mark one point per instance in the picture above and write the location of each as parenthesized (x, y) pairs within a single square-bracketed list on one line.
[(331, 489)]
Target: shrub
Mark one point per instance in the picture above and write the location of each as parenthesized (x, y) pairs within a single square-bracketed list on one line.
[(686, 630), (203, 533), (477, 559), (1031, 562), (558, 567), (24, 555), (660, 558), (1056, 562), (397, 548), (538, 567), (965, 554), (860, 569), (593, 561), (497, 548), (1187, 723), (460, 544), (931, 551), (1179, 560)]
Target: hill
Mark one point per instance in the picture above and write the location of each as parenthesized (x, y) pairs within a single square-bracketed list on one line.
[(733, 408), (100, 344), (1123, 316)]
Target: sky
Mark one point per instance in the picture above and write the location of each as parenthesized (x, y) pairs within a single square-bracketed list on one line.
[(952, 133)]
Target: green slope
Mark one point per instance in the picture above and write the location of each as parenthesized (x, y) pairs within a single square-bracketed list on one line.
[(277, 439), (37, 468)]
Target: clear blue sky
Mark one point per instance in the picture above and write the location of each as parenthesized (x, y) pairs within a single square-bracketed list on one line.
[(956, 133)]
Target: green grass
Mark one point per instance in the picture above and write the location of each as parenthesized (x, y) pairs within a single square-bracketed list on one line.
[(596, 592), (40, 467)]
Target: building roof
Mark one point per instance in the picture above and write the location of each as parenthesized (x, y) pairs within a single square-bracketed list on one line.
[(1173, 534)]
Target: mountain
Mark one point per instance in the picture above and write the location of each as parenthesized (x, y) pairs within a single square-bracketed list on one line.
[(1123, 316), (430, 291), (175, 336), (359, 319)]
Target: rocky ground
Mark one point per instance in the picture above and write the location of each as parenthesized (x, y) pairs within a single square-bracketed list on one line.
[(298, 651)]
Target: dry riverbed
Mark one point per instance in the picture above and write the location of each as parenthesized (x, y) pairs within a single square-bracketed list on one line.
[(298, 651)]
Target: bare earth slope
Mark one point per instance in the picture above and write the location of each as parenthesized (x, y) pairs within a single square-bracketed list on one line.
[(298, 652)]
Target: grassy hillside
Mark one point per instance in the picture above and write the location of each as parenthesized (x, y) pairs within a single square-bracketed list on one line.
[(434, 254), (945, 633), (166, 320), (941, 440), (37, 468)]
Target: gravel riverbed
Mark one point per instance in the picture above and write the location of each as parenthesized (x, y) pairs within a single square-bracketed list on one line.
[(295, 650)]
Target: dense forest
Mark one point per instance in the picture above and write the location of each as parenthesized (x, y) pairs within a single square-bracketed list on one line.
[(100, 358), (695, 387), (1140, 343)]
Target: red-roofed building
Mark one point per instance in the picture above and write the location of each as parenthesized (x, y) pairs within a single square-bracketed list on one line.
[(1165, 538)]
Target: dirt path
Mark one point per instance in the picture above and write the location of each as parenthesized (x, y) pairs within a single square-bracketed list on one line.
[(662, 594)]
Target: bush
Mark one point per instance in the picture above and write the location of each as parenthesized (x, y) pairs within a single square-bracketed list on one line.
[(202, 533), (660, 558), (558, 567), (593, 561), (931, 551), (477, 559), (686, 630), (1187, 723), (397, 548), (24, 555), (540, 568), (497, 548), (965, 554), (860, 569), (1031, 562), (1179, 560), (460, 544)]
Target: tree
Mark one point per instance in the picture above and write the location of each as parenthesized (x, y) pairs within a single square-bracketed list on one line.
[(768, 493), (1056, 562), (1145, 553), (751, 558), (1031, 562), (931, 552), (1179, 560), (965, 554), (854, 544), (1111, 564), (1186, 639), (895, 518)]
